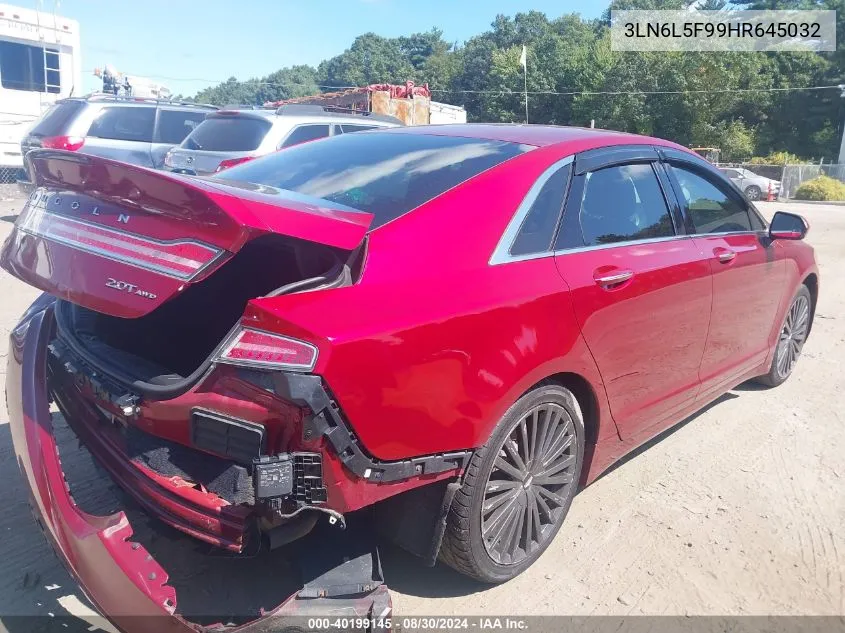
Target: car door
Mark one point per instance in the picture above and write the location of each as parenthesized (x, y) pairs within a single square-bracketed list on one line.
[(747, 274), (171, 128), (122, 132), (640, 287)]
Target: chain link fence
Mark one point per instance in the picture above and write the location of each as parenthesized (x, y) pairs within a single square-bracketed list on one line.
[(794, 175), (8, 183)]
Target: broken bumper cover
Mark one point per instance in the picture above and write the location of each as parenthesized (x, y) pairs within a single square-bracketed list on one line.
[(119, 576)]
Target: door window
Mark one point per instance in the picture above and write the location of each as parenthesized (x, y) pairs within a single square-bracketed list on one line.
[(305, 133), (623, 203), (125, 124), (712, 207), (536, 232)]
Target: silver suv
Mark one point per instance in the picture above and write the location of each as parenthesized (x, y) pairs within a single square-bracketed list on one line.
[(235, 135), (132, 130)]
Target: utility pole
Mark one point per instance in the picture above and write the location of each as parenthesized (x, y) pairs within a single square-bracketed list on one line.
[(523, 61), (842, 143)]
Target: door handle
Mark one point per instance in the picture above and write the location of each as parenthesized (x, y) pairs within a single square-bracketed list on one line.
[(613, 277), (725, 255)]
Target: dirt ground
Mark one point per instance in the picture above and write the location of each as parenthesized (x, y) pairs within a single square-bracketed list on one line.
[(739, 510)]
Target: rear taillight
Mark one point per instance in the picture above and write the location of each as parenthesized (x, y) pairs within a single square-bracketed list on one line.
[(69, 143), (260, 349), (182, 259), (231, 162)]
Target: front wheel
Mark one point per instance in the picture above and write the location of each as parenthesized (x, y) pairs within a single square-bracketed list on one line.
[(517, 488), (793, 335)]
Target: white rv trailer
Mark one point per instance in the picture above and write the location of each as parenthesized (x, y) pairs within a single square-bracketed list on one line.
[(39, 63)]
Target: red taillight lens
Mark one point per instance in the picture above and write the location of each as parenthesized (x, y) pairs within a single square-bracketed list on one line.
[(260, 349), (231, 162), (70, 143)]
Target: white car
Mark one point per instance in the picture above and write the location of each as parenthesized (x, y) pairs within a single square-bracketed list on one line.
[(756, 187)]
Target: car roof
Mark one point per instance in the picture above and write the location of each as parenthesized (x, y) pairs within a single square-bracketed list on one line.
[(133, 102), (297, 118), (537, 135)]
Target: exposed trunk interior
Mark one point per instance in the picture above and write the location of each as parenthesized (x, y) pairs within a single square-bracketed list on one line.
[(173, 341)]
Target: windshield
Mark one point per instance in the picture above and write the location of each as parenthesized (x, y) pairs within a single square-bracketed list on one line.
[(228, 134), (378, 172)]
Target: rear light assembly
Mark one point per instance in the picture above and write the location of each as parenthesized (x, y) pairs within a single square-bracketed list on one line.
[(231, 162), (69, 143), (182, 259), (254, 348)]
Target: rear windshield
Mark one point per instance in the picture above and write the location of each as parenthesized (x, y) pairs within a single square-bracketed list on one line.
[(57, 119), (381, 173), (228, 134)]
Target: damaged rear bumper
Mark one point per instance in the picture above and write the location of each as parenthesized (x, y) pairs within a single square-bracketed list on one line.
[(117, 574)]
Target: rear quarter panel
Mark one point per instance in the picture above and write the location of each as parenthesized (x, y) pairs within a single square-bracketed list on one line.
[(433, 345)]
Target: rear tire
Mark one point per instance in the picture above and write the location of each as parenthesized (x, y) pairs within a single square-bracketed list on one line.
[(517, 488), (793, 335), (753, 192)]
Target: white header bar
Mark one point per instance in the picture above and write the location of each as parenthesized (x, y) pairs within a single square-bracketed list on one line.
[(715, 31)]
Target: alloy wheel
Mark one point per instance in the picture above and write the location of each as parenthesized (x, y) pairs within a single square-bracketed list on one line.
[(753, 192), (527, 490), (792, 336)]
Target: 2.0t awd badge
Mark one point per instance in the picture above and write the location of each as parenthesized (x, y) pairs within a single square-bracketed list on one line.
[(130, 288)]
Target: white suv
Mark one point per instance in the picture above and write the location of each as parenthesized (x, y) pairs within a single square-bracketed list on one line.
[(231, 136)]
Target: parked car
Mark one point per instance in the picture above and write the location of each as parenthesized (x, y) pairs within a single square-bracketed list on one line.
[(462, 324), (754, 186), (232, 136), (132, 130)]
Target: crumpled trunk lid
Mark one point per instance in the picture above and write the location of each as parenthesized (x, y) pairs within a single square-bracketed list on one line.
[(122, 239)]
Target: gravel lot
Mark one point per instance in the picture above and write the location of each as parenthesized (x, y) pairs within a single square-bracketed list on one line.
[(739, 510)]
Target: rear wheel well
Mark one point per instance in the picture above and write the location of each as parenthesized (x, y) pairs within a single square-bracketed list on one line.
[(812, 283), (586, 398)]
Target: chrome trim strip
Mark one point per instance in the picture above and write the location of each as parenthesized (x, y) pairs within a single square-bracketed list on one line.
[(749, 232), (501, 254), (601, 247), (615, 279)]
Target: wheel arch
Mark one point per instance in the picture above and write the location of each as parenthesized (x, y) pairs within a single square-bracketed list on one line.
[(811, 281)]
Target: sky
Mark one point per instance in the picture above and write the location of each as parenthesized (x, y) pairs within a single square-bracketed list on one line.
[(189, 45)]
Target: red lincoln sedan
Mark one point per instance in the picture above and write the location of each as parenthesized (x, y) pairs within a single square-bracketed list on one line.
[(459, 324)]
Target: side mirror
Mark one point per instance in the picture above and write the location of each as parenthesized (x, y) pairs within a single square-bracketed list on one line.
[(788, 226)]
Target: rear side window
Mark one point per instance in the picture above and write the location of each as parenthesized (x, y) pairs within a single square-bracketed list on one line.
[(124, 124), (58, 119), (305, 133), (383, 173), (713, 209), (175, 125), (346, 128), (535, 234), (624, 203), (228, 134)]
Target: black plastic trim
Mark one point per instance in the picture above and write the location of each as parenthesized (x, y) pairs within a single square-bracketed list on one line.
[(602, 157), (326, 420)]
